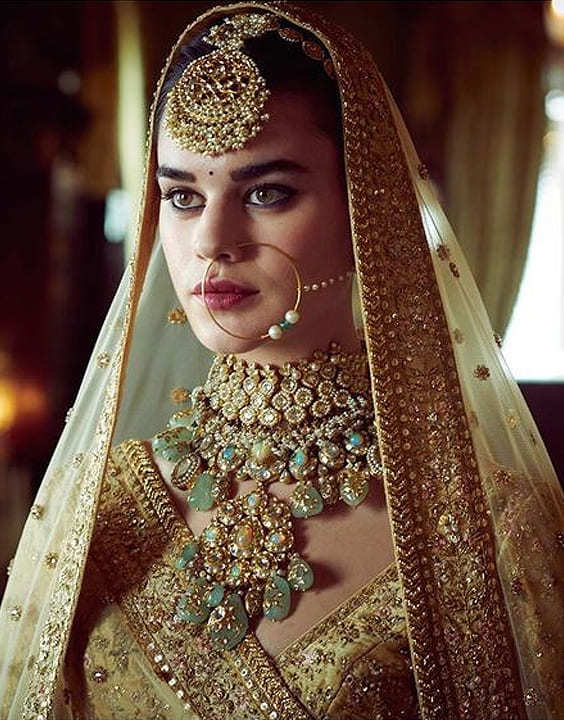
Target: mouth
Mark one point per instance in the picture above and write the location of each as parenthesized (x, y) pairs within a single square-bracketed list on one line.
[(223, 294)]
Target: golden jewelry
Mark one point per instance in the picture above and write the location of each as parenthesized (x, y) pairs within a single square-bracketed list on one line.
[(309, 424), (217, 105), (177, 316), (291, 316), (322, 284)]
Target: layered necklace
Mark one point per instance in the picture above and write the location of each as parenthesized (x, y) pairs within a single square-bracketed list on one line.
[(309, 424)]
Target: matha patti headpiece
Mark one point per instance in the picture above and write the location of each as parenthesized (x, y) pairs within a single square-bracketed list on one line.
[(217, 104)]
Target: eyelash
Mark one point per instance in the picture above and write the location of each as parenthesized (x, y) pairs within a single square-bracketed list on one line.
[(289, 193)]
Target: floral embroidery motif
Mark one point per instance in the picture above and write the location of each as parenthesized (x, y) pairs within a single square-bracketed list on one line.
[(179, 395), (443, 252), (512, 419), (37, 511), (51, 560), (481, 372), (423, 171), (99, 674), (103, 360)]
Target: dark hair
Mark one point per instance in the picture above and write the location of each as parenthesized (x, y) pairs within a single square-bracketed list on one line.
[(285, 67)]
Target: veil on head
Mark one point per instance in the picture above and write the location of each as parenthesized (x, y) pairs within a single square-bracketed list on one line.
[(474, 503)]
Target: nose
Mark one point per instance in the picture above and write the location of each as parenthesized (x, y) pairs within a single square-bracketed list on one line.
[(220, 230)]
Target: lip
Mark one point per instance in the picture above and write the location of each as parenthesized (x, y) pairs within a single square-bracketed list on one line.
[(222, 293), (216, 286)]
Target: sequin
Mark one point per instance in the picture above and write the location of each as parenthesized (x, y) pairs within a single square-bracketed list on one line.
[(179, 395), (103, 360), (99, 674), (481, 372), (37, 511)]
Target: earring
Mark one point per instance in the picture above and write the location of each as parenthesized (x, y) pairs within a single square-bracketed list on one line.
[(177, 316)]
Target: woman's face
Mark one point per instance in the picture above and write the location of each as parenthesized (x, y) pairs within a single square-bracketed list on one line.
[(285, 188)]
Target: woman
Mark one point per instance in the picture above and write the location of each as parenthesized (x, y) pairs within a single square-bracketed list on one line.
[(148, 577)]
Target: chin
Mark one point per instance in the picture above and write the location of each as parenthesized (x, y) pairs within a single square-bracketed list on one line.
[(220, 342)]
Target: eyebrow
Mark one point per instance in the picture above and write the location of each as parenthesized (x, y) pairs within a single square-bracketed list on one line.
[(243, 173)]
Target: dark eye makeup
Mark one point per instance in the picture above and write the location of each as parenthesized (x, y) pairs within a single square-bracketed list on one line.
[(260, 196)]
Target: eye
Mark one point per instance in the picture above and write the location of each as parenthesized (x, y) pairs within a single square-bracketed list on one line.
[(269, 195), (183, 199)]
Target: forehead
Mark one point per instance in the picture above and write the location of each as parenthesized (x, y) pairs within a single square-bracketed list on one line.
[(290, 132)]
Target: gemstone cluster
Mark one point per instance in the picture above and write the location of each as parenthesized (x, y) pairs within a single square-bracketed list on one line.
[(308, 423)]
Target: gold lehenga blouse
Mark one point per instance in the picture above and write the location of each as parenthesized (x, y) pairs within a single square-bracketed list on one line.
[(128, 660)]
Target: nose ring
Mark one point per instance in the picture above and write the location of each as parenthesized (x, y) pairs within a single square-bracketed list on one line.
[(291, 317)]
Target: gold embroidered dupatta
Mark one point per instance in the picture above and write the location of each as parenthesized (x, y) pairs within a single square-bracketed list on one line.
[(475, 506)]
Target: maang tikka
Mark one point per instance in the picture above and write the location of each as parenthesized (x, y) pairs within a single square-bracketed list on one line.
[(218, 103)]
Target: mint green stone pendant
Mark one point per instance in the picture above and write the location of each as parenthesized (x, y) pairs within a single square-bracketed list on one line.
[(276, 602), (300, 574), (354, 488), (173, 443), (206, 490), (228, 623), (305, 501), (192, 606), (188, 554)]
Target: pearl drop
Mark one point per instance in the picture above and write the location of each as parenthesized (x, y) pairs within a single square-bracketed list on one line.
[(323, 283), (275, 332), (331, 281), (292, 316), (306, 288), (341, 278), (315, 286)]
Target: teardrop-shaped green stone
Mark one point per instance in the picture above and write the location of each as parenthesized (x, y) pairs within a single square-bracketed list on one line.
[(276, 601), (182, 419), (354, 490), (228, 623), (215, 595), (173, 443), (305, 501), (201, 496), (300, 574), (187, 554), (192, 605)]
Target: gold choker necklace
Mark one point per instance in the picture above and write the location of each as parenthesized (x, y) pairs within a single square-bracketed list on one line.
[(310, 423)]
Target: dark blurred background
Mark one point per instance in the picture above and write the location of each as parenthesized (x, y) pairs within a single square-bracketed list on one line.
[(472, 80)]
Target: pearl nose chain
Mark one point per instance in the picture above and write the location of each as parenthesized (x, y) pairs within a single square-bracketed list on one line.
[(291, 316), (322, 284)]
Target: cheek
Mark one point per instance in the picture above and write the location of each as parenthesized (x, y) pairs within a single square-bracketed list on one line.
[(174, 250), (318, 236)]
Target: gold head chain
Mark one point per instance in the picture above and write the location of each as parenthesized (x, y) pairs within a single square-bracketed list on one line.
[(217, 105)]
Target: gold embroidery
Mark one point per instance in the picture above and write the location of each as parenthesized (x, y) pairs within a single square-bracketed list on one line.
[(177, 316), (51, 560), (57, 625), (136, 511), (145, 582), (179, 395), (37, 512), (103, 360), (481, 372)]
